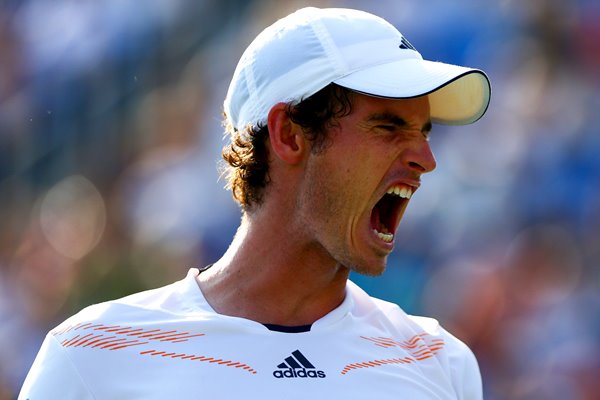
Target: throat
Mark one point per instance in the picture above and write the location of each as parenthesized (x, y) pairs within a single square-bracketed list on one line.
[(385, 214), (249, 291)]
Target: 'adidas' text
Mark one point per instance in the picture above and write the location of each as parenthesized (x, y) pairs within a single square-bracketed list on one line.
[(298, 373), (297, 366)]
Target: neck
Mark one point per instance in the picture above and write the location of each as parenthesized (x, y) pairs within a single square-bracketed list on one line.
[(273, 277)]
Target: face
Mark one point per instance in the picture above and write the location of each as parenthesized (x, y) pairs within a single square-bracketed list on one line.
[(355, 191)]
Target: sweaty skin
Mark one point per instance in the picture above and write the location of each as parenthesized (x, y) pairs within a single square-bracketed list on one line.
[(297, 249)]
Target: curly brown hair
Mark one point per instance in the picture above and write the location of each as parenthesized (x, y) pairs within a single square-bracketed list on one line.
[(246, 156)]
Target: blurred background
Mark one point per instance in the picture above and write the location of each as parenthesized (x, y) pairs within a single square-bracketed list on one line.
[(110, 133)]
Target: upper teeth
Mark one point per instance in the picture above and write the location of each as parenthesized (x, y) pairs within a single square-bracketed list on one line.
[(403, 191)]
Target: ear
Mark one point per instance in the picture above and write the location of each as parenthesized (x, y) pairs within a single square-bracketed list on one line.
[(287, 139)]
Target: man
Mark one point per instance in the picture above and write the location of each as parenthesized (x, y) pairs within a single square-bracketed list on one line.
[(329, 113)]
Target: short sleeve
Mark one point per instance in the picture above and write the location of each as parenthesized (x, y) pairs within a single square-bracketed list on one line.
[(466, 377), (53, 376)]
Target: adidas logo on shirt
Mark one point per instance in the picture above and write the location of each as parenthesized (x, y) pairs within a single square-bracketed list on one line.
[(297, 366)]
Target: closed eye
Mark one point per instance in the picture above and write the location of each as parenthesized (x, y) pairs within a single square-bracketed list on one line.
[(393, 128), (389, 128)]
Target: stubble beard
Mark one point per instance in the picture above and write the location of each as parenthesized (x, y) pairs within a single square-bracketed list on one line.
[(322, 214)]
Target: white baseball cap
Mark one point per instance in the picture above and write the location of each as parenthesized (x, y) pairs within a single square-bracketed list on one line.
[(304, 52)]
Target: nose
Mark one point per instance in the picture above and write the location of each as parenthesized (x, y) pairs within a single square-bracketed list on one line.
[(420, 158)]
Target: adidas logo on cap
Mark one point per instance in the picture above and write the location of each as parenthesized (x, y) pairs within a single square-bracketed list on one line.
[(297, 366), (405, 44)]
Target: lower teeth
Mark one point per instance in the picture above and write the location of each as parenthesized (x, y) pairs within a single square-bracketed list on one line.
[(386, 237)]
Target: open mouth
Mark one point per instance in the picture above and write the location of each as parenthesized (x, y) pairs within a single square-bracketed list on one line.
[(388, 211)]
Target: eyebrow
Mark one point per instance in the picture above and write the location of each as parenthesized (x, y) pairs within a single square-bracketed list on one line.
[(394, 119)]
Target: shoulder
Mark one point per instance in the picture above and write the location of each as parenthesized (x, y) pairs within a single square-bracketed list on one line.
[(173, 301), (425, 334), (77, 357), (396, 317)]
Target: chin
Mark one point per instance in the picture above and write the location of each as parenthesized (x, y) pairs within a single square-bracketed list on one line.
[(370, 269)]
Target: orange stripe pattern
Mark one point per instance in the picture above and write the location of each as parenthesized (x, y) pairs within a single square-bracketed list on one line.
[(148, 334), (419, 346), (193, 357), (115, 337)]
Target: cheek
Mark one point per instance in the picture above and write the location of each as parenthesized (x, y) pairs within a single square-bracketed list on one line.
[(364, 171), (342, 182), (325, 193)]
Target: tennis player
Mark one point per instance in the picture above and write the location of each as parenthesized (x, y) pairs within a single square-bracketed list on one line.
[(329, 114)]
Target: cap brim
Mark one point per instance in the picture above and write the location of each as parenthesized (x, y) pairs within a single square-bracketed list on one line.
[(457, 95)]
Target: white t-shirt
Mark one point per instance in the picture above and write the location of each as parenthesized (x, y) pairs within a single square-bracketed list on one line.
[(168, 343)]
